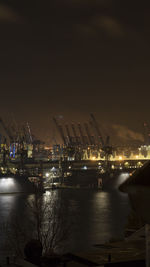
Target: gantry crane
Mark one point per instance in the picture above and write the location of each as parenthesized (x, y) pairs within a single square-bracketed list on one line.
[(81, 134), (9, 134), (95, 124), (68, 134), (88, 133), (105, 146), (60, 130)]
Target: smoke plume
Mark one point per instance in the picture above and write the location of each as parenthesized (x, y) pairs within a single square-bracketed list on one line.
[(126, 134)]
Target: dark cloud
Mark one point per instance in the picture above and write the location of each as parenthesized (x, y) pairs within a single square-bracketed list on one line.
[(73, 57)]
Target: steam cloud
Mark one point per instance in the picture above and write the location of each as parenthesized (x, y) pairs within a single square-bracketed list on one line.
[(127, 134)]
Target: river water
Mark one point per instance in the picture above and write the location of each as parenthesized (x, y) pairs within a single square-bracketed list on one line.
[(96, 216)]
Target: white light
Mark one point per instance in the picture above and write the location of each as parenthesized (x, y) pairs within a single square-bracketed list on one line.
[(47, 174), (6, 182), (84, 168), (123, 177)]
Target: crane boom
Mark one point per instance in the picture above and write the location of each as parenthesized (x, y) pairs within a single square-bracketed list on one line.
[(7, 130), (74, 132), (95, 124), (88, 133), (81, 133), (68, 133), (29, 133), (60, 130)]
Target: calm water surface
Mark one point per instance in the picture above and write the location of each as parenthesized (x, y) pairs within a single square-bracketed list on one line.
[(96, 216)]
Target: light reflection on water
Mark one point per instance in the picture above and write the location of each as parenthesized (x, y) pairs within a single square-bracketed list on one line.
[(96, 216), (112, 183), (122, 178), (100, 216), (8, 185)]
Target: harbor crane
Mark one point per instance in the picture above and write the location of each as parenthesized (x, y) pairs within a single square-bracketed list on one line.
[(75, 134), (69, 150), (105, 145), (68, 135), (81, 134), (95, 124), (29, 134), (60, 130), (11, 138), (88, 133)]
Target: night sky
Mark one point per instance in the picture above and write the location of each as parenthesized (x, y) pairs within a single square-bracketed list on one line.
[(74, 57)]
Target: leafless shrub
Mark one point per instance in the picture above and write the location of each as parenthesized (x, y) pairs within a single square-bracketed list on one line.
[(45, 219)]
